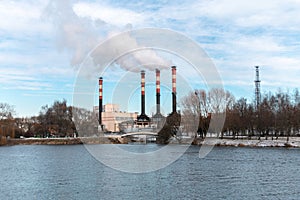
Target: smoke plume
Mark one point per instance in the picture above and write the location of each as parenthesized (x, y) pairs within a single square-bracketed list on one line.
[(80, 35), (74, 34)]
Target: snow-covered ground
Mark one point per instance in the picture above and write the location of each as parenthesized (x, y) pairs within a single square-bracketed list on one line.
[(280, 142)]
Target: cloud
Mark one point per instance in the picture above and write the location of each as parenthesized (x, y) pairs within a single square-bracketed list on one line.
[(270, 13), (34, 78), (22, 18), (78, 24), (114, 16), (259, 44), (237, 35), (74, 34)]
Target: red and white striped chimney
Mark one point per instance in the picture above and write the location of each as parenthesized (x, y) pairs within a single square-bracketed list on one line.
[(174, 89), (143, 118), (143, 92), (100, 99), (157, 91)]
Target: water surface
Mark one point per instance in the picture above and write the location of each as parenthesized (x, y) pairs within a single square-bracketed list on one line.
[(70, 172)]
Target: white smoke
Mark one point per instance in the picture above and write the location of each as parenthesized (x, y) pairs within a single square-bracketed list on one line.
[(136, 58), (75, 34), (80, 35)]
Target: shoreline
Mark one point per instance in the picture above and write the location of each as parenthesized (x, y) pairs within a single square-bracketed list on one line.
[(60, 141), (294, 142), (280, 142)]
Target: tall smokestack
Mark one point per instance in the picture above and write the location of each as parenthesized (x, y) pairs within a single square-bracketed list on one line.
[(100, 100), (157, 91), (158, 118), (143, 118), (174, 89), (143, 92)]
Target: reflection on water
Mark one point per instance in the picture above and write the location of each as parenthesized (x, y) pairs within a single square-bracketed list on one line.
[(70, 172)]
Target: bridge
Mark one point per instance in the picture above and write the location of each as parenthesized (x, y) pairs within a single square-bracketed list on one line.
[(139, 133)]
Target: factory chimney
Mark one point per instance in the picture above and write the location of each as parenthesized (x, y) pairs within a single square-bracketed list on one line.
[(157, 91), (143, 92), (143, 117), (158, 118), (100, 100), (174, 89)]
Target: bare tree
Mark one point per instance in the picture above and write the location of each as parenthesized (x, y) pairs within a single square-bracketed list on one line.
[(191, 111), (6, 111), (236, 118), (201, 106), (219, 100), (86, 122), (266, 117), (277, 114), (296, 112), (196, 113)]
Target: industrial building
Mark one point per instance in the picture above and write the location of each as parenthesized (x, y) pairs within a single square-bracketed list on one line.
[(112, 119)]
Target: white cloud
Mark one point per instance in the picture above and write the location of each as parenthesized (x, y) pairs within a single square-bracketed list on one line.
[(258, 44), (21, 18), (110, 15), (270, 13), (237, 35)]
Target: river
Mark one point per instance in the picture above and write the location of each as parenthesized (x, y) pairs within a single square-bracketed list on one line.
[(71, 172)]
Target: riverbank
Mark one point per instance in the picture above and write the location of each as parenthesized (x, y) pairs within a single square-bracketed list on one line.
[(280, 142), (62, 141)]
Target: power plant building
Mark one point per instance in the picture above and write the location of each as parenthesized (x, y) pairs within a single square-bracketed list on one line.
[(112, 117)]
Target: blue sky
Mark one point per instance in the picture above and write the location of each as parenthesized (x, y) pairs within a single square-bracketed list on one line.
[(43, 43)]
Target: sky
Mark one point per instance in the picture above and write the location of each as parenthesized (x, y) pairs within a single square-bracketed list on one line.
[(43, 44)]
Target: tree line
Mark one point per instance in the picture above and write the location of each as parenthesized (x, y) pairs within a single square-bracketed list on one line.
[(278, 114), (56, 120)]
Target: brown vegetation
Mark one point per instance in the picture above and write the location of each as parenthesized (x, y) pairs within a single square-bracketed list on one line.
[(277, 115)]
